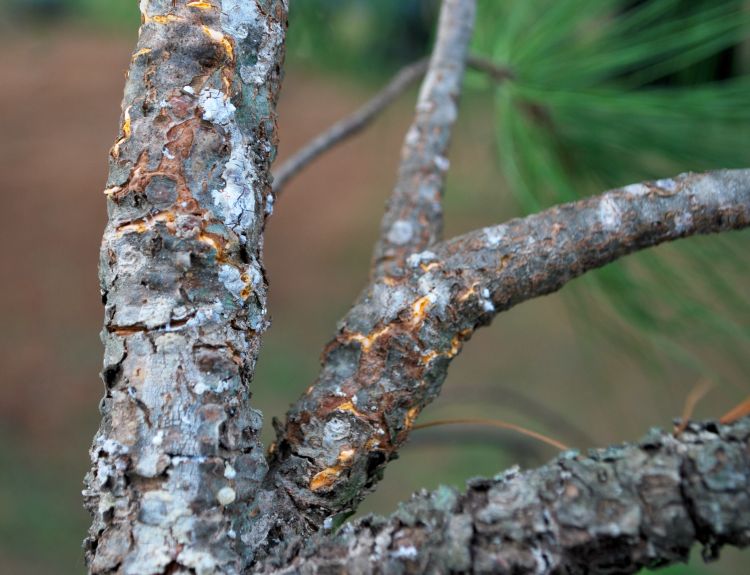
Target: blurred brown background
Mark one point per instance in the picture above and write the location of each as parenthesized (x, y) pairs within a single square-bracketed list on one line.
[(59, 109)]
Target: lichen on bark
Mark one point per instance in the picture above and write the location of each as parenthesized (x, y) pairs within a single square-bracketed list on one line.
[(179, 482), (178, 455)]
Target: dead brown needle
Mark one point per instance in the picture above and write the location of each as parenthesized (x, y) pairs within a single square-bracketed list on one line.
[(499, 424), (698, 392), (736, 412)]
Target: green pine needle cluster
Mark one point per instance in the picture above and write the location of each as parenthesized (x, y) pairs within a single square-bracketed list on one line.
[(611, 92)]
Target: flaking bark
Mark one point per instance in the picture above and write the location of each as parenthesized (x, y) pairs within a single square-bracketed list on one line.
[(179, 483), (613, 511), (393, 349), (414, 216), (177, 457)]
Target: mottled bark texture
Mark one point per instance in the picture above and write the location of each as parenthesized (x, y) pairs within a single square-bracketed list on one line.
[(414, 217), (612, 511), (179, 482), (177, 457), (393, 349)]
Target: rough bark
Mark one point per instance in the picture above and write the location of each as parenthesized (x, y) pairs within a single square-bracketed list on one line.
[(414, 216), (177, 456), (179, 483), (393, 349), (364, 116), (613, 511)]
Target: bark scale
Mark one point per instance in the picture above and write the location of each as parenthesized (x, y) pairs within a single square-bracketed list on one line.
[(393, 349), (613, 511), (177, 458), (179, 482)]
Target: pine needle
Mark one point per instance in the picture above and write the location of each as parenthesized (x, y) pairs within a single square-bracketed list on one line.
[(698, 392), (498, 424), (737, 412)]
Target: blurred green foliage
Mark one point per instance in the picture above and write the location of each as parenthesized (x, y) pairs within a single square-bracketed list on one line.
[(611, 92)]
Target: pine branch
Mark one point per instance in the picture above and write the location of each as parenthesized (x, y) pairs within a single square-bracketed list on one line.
[(178, 452), (393, 349), (616, 510), (414, 216)]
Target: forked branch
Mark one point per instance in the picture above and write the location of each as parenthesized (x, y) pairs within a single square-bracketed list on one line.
[(392, 351), (368, 112), (616, 510)]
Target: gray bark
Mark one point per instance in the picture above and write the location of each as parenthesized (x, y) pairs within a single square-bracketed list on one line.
[(364, 116), (393, 349), (179, 482), (612, 511), (177, 457)]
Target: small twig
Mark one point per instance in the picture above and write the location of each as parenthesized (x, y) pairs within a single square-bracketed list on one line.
[(497, 73), (496, 423), (356, 122), (350, 125), (698, 392)]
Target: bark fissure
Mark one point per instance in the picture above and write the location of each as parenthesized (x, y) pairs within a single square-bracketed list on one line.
[(613, 511), (178, 454), (393, 349)]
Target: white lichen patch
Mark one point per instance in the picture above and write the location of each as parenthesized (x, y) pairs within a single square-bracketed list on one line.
[(157, 439), (412, 136), (229, 471), (636, 189), (238, 16), (415, 260), (207, 313), (609, 214), (130, 261), (231, 278), (494, 235), (486, 302), (226, 496), (216, 106), (390, 301), (236, 202), (200, 562), (667, 184), (683, 221), (335, 430), (438, 292), (442, 163), (401, 232), (406, 552)]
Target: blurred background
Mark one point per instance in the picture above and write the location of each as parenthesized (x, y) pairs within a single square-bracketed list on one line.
[(606, 92)]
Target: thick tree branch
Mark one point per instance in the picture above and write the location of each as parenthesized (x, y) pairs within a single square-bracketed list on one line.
[(414, 216), (393, 349), (178, 452), (614, 511), (366, 114)]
